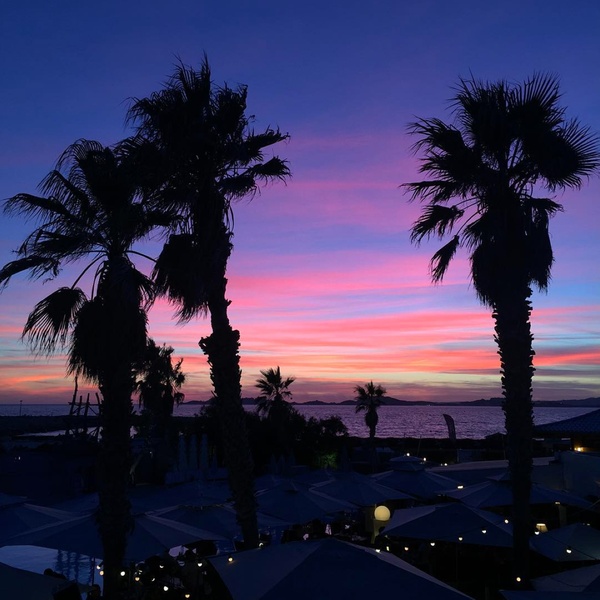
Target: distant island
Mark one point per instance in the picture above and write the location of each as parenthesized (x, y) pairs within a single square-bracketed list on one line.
[(389, 401)]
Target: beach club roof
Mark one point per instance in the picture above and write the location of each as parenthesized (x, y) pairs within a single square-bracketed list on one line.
[(587, 424)]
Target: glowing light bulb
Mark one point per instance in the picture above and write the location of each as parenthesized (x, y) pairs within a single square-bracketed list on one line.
[(122, 573)]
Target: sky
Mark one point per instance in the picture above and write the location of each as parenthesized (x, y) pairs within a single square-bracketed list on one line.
[(323, 280)]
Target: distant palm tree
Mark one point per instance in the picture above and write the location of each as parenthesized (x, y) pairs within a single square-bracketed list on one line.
[(199, 142), (368, 399), (274, 392), (89, 211), (274, 406), (510, 142), (158, 384)]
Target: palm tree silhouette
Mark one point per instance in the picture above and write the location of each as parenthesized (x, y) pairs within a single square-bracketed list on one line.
[(368, 399), (90, 211), (510, 142), (198, 141), (274, 392), (158, 384), (273, 404)]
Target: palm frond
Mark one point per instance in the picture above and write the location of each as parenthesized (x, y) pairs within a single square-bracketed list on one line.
[(435, 220), (440, 261), (33, 206), (37, 265), (52, 319)]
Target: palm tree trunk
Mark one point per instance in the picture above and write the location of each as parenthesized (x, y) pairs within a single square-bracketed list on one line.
[(114, 461), (221, 348), (514, 339)]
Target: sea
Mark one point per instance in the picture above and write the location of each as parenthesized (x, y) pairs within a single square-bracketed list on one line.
[(474, 422)]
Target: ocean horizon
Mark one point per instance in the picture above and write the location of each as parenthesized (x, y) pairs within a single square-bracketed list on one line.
[(414, 421)]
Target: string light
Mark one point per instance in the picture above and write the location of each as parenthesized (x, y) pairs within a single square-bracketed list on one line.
[(230, 558), (122, 573)]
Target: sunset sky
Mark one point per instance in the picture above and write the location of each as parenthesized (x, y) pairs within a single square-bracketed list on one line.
[(323, 279)]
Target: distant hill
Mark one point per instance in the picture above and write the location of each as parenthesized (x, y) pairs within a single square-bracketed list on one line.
[(389, 401)]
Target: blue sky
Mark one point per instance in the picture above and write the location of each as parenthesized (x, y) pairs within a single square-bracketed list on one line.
[(323, 279)]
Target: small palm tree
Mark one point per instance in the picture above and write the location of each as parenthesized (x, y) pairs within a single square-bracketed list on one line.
[(199, 144), (274, 392), (90, 212), (368, 399), (158, 384), (274, 406), (508, 143)]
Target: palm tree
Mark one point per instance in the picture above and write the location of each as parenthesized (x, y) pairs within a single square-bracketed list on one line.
[(158, 384), (274, 392), (368, 399), (198, 141), (89, 211), (485, 173), (273, 404)]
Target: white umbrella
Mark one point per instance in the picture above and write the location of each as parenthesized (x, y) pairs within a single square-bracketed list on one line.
[(151, 535), (573, 580), (417, 482), (326, 568), (576, 542), (16, 518), (499, 493), (451, 522), (19, 583), (297, 504), (358, 489), (146, 498), (218, 519)]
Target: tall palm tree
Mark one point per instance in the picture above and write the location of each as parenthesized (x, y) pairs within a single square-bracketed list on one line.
[(509, 143), (89, 212), (159, 383), (368, 399), (205, 155)]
